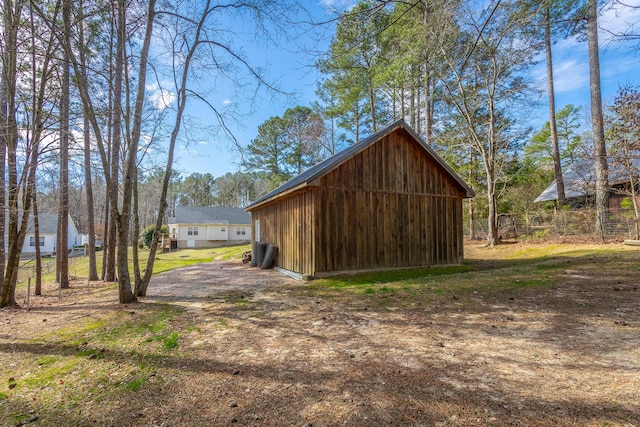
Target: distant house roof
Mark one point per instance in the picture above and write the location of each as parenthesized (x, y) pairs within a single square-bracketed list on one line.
[(336, 160), (210, 215), (580, 179), (47, 221)]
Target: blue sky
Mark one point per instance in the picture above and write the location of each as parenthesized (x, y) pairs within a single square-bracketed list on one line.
[(619, 64), (291, 68)]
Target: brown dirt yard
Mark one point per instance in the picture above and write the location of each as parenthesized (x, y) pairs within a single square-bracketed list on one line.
[(520, 335)]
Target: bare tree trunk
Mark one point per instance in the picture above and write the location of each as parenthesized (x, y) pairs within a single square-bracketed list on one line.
[(357, 118), (472, 219), (597, 121), (472, 213), (636, 208), (36, 233), (91, 227), (62, 249), (9, 141), (136, 236), (428, 101), (130, 164), (394, 104), (412, 107), (3, 200), (490, 167), (37, 102), (111, 227), (108, 243), (35, 125), (86, 126), (492, 233), (105, 234), (372, 105), (3, 153), (552, 108), (114, 150), (418, 109), (428, 112), (122, 220), (402, 103)]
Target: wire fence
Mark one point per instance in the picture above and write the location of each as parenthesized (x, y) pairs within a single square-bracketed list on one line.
[(28, 266), (619, 224)]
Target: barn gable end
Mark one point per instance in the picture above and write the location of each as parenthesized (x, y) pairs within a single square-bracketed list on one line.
[(388, 202)]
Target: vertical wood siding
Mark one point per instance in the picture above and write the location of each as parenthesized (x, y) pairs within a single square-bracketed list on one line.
[(389, 206), (288, 224)]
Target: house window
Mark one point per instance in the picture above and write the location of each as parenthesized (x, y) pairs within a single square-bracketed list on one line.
[(241, 231), (223, 229), (32, 241), (192, 231)]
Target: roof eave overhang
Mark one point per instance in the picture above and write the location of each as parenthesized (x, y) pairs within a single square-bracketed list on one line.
[(276, 196)]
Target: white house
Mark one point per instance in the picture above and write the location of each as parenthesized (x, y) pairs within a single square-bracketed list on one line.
[(206, 226), (48, 223)]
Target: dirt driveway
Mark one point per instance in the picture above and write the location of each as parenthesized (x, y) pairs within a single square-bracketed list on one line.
[(197, 285)]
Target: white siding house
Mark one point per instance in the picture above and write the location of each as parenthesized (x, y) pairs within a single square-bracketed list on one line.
[(48, 235), (205, 227)]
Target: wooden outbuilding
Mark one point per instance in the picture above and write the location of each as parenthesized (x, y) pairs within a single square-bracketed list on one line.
[(386, 202)]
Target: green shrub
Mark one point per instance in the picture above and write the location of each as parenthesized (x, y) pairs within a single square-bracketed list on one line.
[(147, 234)]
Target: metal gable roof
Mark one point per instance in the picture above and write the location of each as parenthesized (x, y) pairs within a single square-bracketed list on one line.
[(580, 179), (336, 160)]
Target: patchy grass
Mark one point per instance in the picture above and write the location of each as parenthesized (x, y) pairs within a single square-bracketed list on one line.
[(430, 282), (86, 363), (395, 276), (486, 269), (79, 266), (172, 260)]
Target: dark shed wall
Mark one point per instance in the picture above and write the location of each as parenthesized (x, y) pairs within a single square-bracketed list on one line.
[(287, 224), (389, 206)]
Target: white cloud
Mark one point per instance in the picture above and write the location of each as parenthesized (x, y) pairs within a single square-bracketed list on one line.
[(622, 17), (570, 74), (568, 44), (337, 5), (226, 102), (160, 98)]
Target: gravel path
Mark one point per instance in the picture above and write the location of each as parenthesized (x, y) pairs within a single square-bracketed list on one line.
[(197, 284)]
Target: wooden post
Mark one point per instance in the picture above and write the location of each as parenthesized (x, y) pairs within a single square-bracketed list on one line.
[(29, 294)]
